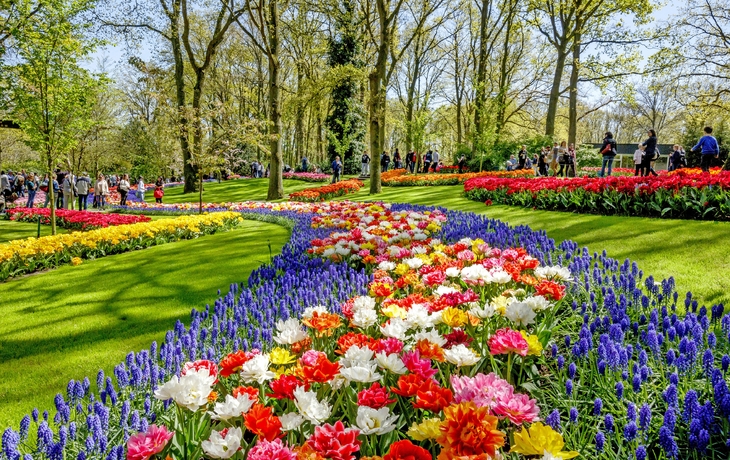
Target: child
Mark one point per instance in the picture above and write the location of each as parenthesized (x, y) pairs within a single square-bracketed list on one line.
[(158, 194), (638, 159), (710, 149)]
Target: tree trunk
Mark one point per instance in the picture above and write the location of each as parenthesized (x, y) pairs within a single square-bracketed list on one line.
[(503, 77), (555, 92), (573, 97), (276, 182), (52, 199), (299, 120), (481, 78), (376, 142), (189, 171)]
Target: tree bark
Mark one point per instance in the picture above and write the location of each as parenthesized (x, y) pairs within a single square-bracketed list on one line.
[(276, 182), (376, 143), (299, 120), (552, 111), (481, 78), (573, 88)]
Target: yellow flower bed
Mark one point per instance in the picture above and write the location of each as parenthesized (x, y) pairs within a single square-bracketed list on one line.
[(32, 254)]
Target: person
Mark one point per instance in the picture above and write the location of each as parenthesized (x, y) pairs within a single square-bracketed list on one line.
[(4, 183), (159, 182), (638, 160), (54, 186), (19, 183), (678, 159), (554, 159), (31, 185), (365, 164), (435, 160), (462, 164), (397, 164), (123, 189), (101, 190), (158, 193), (336, 169), (652, 161), (528, 163), (140, 189), (427, 160), (563, 159), (536, 163), (411, 161), (572, 161), (709, 147), (522, 158), (384, 161), (69, 191), (649, 152), (83, 185), (305, 164), (511, 163), (608, 151), (60, 176), (542, 163)]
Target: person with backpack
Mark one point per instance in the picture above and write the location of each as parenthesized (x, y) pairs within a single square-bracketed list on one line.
[(336, 169), (427, 160), (384, 161), (650, 153), (83, 186), (365, 164), (31, 185), (709, 147), (608, 152)]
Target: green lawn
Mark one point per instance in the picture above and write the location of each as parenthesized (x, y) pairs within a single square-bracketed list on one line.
[(70, 322), (696, 253), (10, 230), (234, 190)]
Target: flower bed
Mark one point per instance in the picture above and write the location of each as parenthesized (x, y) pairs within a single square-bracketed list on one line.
[(622, 374), (401, 178), (307, 177), (75, 220), (327, 192), (680, 195), (614, 171), (32, 254)]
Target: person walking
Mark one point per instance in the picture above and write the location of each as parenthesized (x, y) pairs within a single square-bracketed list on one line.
[(158, 193), (638, 160), (123, 189), (4, 183), (384, 161), (83, 185), (709, 147), (462, 164), (608, 151), (31, 185), (140, 189), (554, 156), (336, 169), (542, 164), (522, 158), (649, 152), (563, 159), (69, 191), (397, 163), (427, 160), (365, 164), (678, 159), (52, 186), (305, 164), (435, 160), (101, 191)]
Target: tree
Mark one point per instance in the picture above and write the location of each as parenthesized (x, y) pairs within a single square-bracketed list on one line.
[(194, 37), (51, 95)]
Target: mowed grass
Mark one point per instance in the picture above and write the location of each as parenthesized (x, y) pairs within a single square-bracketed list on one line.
[(696, 253), (70, 322), (11, 230), (233, 191)]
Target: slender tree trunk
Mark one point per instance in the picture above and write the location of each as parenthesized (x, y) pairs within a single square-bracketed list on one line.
[(299, 120), (573, 97), (197, 121), (276, 182), (503, 75), (375, 141), (555, 91), (52, 199), (481, 79)]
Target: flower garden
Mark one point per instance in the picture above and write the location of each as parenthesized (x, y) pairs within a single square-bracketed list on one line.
[(409, 332), (401, 178)]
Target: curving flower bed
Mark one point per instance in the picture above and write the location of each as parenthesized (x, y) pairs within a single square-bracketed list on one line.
[(401, 178), (681, 195), (19, 257), (307, 176), (364, 292), (75, 220), (327, 192)]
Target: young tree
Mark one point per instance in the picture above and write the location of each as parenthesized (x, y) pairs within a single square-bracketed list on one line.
[(50, 94)]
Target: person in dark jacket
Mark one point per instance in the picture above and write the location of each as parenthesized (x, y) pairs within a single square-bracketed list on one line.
[(522, 158), (608, 151), (384, 161), (397, 164), (650, 152), (676, 160), (462, 164), (336, 169)]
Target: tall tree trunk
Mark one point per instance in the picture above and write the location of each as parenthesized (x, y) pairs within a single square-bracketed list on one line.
[(504, 74), (376, 143), (299, 120), (189, 170), (52, 197), (481, 79), (573, 97), (411, 97), (197, 121), (276, 183), (555, 91)]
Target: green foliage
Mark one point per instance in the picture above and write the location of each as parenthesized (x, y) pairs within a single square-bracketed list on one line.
[(586, 155)]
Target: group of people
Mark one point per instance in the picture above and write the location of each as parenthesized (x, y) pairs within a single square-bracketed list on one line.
[(430, 161), (71, 191), (559, 161)]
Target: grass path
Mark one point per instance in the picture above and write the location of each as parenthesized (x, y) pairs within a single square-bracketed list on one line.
[(10, 230), (70, 322)]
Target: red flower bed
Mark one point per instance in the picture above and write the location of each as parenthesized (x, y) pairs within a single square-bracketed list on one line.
[(75, 220), (327, 192), (681, 194)]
